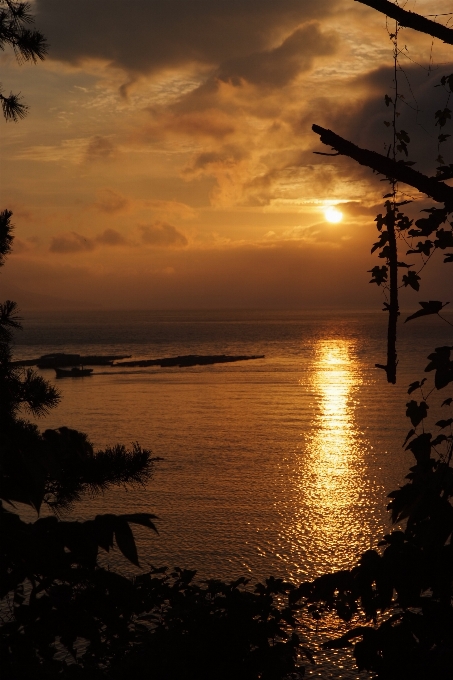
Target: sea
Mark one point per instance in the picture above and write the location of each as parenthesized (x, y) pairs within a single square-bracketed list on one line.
[(280, 465)]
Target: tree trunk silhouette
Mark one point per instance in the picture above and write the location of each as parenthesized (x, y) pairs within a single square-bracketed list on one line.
[(400, 172), (390, 368)]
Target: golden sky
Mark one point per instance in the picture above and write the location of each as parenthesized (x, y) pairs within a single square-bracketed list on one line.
[(167, 159)]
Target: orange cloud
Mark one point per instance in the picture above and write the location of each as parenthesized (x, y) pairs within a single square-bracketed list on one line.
[(76, 243), (162, 234), (172, 208), (209, 123), (110, 201)]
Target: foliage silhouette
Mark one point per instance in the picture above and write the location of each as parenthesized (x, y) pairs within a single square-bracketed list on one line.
[(404, 592)]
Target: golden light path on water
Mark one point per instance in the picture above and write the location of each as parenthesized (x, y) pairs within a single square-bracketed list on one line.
[(329, 481)]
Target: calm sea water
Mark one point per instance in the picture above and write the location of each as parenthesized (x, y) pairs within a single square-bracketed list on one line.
[(280, 465)]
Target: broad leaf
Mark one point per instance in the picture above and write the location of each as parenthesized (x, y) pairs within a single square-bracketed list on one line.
[(441, 363), (125, 541), (420, 447), (444, 423), (415, 385), (416, 412), (412, 279), (408, 436), (430, 307)]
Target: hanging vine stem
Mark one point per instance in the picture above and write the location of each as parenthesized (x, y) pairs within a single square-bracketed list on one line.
[(393, 307)]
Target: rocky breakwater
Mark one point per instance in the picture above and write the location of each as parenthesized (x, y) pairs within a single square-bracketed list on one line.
[(189, 360), (61, 360)]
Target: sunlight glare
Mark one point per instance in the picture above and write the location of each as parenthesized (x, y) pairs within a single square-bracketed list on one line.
[(333, 215)]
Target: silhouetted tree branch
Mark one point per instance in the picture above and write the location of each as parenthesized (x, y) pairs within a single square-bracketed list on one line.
[(401, 172), (27, 45), (411, 19)]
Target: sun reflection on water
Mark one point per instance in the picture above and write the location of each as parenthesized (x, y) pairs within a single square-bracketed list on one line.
[(329, 484), (333, 447)]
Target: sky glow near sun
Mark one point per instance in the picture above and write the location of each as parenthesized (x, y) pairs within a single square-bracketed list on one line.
[(176, 169), (333, 215)]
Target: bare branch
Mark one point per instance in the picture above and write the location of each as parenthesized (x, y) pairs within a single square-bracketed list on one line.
[(411, 19), (386, 166)]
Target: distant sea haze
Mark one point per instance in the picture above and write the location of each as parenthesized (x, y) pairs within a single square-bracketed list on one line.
[(279, 465)]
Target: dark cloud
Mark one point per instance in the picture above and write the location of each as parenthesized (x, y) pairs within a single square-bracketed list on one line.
[(71, 243), (277, 67), (363, 121), (76, 243), (163, 235), (111, 237), (145, 36)]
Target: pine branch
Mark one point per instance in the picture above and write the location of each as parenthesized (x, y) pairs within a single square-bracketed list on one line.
[(386, 166), (6, 234), (411, 19), (9, 320), (13, 109)]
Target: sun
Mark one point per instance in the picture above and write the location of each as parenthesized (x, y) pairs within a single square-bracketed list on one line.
[(333, 215)]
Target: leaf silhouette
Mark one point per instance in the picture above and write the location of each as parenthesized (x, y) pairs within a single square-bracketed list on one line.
[(125, 541), (430, 307), (412, 279), (444, 239), (142, 518), (447, 402), (441, 363), (409, 435), (379, 274), (439, 439), (383, 239), (104, 528), (415, 385), (420, 447), (444, 423), (416, 412)]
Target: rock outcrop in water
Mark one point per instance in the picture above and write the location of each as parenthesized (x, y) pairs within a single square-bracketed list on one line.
[(189, 360), (59, 360)]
